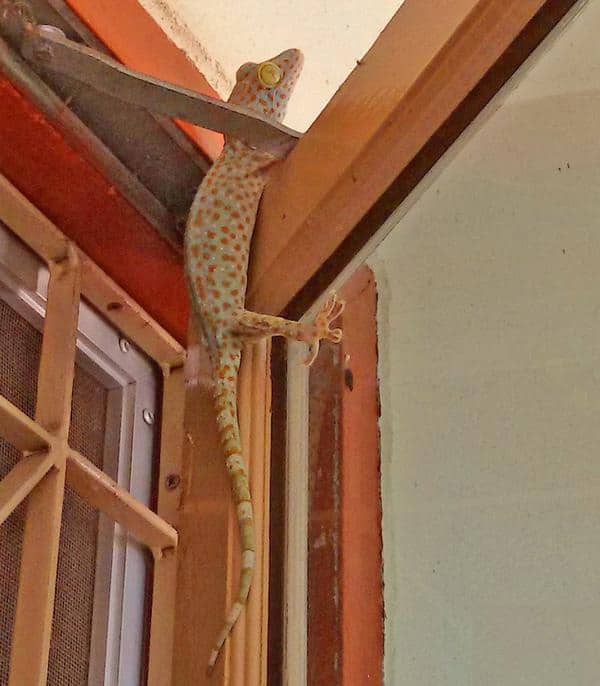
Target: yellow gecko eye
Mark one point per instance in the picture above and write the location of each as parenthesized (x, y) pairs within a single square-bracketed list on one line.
[(269, 74)]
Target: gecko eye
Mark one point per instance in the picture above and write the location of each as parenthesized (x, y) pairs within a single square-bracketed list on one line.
[(269, 74)]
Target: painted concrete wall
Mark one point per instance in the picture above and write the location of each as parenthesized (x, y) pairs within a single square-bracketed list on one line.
[(220, 36), (490, 373)]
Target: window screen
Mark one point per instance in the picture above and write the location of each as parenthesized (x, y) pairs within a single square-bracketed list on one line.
[(20, 345)]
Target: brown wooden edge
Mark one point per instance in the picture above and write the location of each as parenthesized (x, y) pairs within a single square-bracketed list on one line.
[(428, 75), (208, 559), (345, 583), (39, 556)]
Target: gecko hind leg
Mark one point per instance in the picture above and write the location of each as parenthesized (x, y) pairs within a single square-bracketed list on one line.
[(252, 324)]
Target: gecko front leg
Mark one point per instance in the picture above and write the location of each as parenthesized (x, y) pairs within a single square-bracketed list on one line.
[(252, 324)]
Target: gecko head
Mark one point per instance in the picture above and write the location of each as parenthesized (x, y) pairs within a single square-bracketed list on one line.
[(266, 87)]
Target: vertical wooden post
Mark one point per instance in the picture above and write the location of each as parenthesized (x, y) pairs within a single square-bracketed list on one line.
[(255, 415), (361, 563), (162, 622), (208, 553), (205, 531), (37, 581)]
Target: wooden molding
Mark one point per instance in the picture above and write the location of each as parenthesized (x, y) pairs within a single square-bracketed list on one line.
[(430, 72), (21, 480), (37, 579), (208, 562), (103, 493), (164, 587)]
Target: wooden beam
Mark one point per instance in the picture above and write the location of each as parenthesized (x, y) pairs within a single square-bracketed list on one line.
[(250, 638), (45, 239), (21, 480), (100, 491), (21, 431), (39, 556), (206, 530), (162, 619), (361, 564), (430, 72), (30, 225)]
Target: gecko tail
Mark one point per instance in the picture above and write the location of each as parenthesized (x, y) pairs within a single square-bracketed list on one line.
[(232, 447)]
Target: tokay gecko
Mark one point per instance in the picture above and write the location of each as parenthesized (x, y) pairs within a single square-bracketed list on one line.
[(217, 242)]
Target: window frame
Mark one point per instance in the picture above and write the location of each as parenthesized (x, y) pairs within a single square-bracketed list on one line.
[(124, 500)]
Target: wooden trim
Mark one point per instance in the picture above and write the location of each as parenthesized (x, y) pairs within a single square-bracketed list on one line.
[(295, 584), (21, 431), (209, 543), (21, 480), (139, 42), (345, 584), (47, 241), (205, 526), (361, 578), (250, 645), (383, 130), (162, 620), (39, 556), (101, 492), (323, 545)]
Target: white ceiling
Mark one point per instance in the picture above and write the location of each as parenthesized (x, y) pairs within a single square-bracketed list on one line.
[(220, 36)]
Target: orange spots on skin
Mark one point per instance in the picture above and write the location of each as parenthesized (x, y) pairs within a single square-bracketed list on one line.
[(211, 234), (212, 268)]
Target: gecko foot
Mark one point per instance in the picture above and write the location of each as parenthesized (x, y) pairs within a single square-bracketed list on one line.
[(321, 329)]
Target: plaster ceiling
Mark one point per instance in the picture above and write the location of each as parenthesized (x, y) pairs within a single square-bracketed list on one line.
[(220, 36)]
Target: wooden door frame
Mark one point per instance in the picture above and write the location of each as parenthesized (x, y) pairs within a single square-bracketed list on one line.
[(426, 78)]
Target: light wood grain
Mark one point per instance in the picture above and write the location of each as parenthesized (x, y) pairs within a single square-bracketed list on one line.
[(21, 480), (162, 620), (100, 491), (423, 66), (39, 556), (20, 430)]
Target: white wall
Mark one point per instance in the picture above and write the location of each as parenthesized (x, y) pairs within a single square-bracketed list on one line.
[(490, 373), (220, 36)]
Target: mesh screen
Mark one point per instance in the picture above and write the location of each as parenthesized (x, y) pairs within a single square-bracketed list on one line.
[(20, 345)]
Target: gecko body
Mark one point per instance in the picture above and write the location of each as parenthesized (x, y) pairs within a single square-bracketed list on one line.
[(217, 244)]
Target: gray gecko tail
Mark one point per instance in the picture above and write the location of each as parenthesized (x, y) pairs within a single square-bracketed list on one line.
[(227, 422)]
